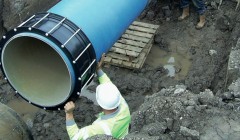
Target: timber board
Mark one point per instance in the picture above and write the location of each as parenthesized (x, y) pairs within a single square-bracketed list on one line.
[(132, 49)]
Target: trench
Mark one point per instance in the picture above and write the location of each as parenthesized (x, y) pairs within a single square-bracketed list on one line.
[(183, 54)]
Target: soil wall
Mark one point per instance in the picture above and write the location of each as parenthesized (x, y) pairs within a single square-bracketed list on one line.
[(15, 12), (1, 7)]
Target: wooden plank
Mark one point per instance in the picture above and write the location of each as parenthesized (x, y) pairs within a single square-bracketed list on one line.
[(146, 55), (127, 64), (148, 46), (118, 56), (142, 39), (141, 34), (134, 66), (132, 42), (147, 25), (139, 58), (116, 61), (107, 59), (127, 47), (132, 53), (142, 29), (131, 50), (118, 50), (137, 66), (124, 52)]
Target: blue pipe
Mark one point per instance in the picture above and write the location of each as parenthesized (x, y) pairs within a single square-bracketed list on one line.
[(103, 21), (66, 43)]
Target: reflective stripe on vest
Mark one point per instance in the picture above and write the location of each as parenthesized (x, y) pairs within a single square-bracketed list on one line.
[(105, 128), (85, 134)]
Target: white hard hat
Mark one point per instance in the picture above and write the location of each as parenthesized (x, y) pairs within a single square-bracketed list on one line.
[(108, 96)]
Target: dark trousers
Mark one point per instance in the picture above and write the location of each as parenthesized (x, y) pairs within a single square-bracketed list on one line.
[(199, 4)]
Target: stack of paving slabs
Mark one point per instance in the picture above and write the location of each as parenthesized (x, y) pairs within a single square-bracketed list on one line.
[(131, 50)]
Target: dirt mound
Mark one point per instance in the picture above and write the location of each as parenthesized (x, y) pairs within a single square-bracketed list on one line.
[(176, 113)]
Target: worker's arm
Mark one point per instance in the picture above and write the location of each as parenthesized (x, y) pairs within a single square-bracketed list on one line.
[(102, 77), (72, 129)]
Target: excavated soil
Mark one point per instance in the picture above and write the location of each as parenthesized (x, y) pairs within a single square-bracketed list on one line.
[(196, 101)]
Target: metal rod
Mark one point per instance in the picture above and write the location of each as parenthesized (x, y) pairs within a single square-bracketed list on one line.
[(40, 20), (87, 81), (71, 37), (88, 68), (26, 21), (56, 26), (82, 53)]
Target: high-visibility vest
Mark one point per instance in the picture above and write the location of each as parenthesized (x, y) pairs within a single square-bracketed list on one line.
[(115, 124)]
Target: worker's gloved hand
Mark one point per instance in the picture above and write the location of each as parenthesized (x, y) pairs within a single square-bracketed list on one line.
[(99, 65), (69, 107)]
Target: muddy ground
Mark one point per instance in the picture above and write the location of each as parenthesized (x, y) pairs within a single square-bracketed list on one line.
[(198, 101)]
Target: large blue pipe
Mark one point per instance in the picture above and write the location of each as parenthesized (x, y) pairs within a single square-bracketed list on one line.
[(103, 21), (52, 56)]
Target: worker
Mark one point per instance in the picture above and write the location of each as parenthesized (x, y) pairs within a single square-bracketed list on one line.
[(113, 121), (200, 7)]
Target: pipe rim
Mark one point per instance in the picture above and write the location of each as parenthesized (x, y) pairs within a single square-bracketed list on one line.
[(58, 50)]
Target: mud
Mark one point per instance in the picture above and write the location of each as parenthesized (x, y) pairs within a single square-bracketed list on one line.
[(177, 64), (24, 109), (184, 91), (207, 70)]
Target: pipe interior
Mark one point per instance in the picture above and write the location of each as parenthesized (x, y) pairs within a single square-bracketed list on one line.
[(36, 71)]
